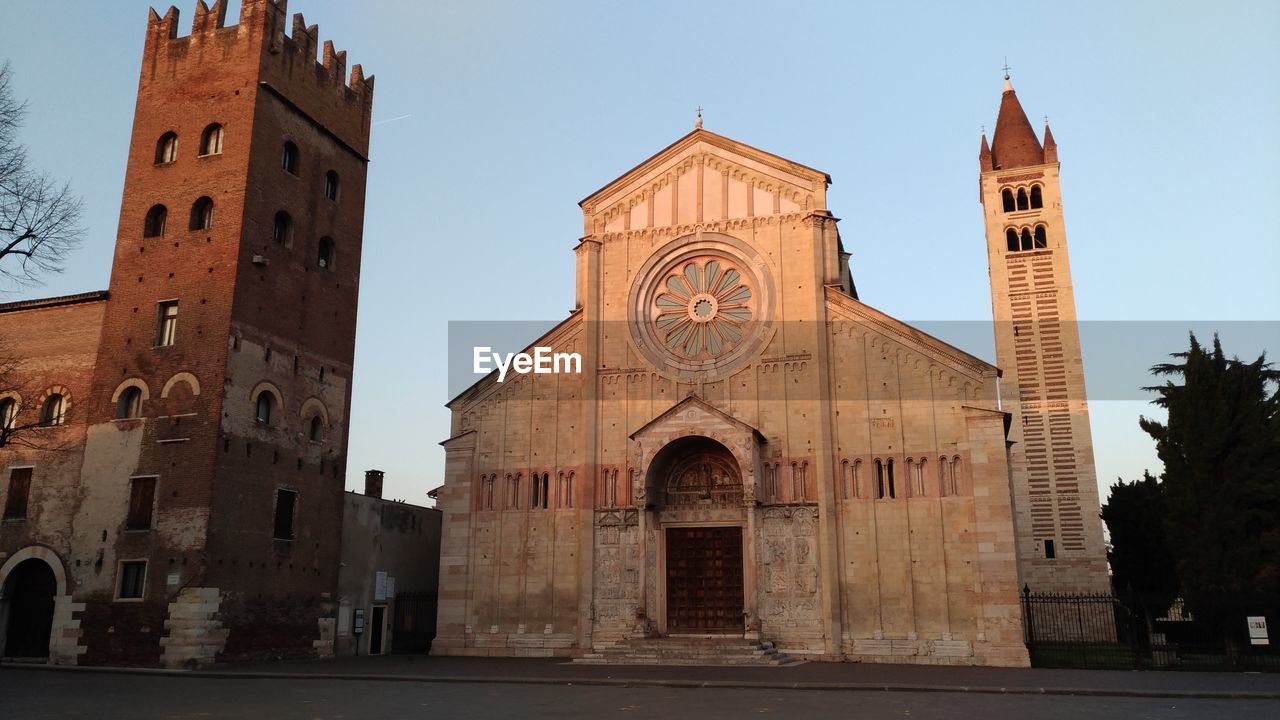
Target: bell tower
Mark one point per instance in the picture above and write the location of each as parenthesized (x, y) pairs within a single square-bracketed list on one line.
[(1059, 533)]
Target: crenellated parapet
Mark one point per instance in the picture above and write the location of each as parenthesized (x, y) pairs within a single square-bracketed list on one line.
[(287, 58)]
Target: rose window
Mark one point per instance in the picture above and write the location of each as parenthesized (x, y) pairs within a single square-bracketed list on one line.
[(703, 310)]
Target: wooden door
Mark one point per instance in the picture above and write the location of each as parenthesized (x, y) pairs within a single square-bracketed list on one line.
[(704, 579)]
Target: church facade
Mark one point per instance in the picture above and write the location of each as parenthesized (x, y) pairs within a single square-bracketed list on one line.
[(749, 451)]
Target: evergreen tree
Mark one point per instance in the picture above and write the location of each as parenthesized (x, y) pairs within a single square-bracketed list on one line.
[(1221, 485), (1139, 553)]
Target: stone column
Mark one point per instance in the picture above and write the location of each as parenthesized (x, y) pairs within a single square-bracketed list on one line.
[(639, 492), (751, 613)]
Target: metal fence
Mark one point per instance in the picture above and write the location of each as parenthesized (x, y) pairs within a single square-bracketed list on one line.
[(1126, 631), (415, 623)]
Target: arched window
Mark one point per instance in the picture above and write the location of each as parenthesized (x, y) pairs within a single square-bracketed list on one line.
[(919, 478), (324, 257), (1022, 199), (153, 226), (289, 158), (1011, 238), (513, 498), (486, 492), (953, 475), (266, 406), (130, 404), (167, 148), (880, 486), (54, 410), (857, 478), (1037, 200), (280, 228), (202, 214), (545, 482), (1042, 240), (944, 486), (893, 491), (1006, 197), (331, 185), (1026, 239), (211, 140), (8, 412), (316, 429)]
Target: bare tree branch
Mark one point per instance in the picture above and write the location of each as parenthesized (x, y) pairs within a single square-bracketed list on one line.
[(39, 218)]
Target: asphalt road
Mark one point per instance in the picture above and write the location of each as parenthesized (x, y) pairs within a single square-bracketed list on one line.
[(36, 694)]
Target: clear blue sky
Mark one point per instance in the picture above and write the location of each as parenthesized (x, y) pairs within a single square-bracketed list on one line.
[(494, 118)]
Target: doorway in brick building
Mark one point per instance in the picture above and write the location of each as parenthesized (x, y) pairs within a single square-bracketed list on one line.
[(28, 593), (704, 580)]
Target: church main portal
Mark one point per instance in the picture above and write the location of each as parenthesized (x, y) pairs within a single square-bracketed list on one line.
[(704, 579)]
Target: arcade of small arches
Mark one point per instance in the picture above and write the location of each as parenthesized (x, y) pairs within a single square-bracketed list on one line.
[(1022, 198), (512, 488), (875, 478), (1026, 238)]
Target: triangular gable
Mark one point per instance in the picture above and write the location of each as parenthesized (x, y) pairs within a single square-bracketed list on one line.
[(562, 331), (843, 307), (693, 401), (703, 177)]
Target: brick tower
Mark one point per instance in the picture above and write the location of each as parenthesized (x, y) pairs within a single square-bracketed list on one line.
[(221, 395), (1059, 533)]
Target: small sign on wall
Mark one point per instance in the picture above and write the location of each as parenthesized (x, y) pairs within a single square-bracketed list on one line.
[(380, 586), (357, 626), (1258, 630), (391, 586)]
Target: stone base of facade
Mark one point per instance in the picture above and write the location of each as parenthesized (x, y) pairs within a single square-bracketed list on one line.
[(195, 636), (499, 644), (935, 652)]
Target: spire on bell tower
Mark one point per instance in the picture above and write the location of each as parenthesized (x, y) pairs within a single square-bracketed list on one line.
[(1050, 147)]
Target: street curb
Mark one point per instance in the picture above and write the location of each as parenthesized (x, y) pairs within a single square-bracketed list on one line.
[(668, 683)]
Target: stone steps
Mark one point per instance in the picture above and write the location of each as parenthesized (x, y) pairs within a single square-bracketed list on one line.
[(687, 651)]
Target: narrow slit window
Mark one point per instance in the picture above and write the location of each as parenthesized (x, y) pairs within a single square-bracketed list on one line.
[(289, 158), (211, 140), (167, 148), (142, 496), (133, 580), (202, 214), (324, 254), (8, 412), (331, 185), (53, 411), (130, 404), (265, 407), (167, 323), (286, 503), (280, 228), (157, 218), (15, 503)]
